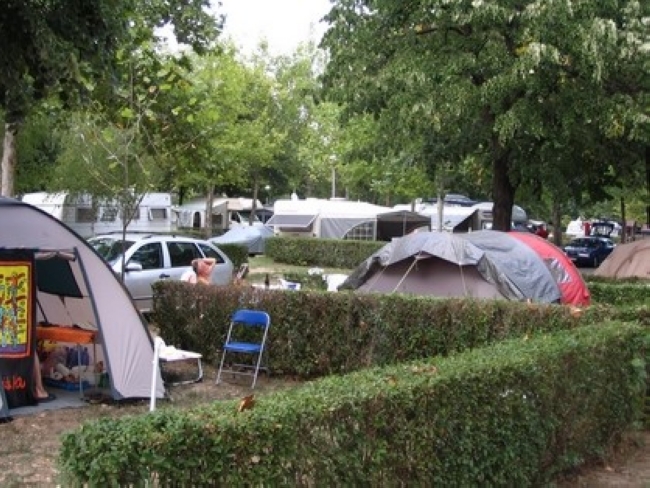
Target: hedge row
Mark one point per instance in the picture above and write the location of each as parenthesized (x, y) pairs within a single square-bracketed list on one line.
[(331, 253), (514, 414), (316, 333), (620, 294)]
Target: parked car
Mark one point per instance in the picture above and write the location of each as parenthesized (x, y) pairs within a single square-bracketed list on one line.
[(149, 258), (590, 251)]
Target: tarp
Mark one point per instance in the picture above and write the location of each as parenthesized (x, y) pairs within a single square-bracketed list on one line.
[(568, 278), (253, 237), (483, 264), (85, 292), (629, 260)]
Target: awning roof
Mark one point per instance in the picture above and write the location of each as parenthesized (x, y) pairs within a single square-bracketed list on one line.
[(292, 221)]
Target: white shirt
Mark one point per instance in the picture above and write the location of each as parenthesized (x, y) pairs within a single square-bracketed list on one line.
[(189, 276)]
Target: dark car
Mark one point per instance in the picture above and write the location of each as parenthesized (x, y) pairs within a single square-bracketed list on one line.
[(589, 251)]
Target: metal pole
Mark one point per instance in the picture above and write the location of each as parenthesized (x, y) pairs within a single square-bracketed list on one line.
[(158, 344)]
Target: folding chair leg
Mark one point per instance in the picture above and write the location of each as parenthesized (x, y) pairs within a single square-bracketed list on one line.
[(223, 358)]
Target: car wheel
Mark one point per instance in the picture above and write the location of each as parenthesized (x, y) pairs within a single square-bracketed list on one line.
[(596, 261)]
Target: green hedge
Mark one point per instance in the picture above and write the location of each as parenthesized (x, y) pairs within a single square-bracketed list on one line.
[(316, 333), (620, 294), (330, 253), (238, 253), (514, 414)]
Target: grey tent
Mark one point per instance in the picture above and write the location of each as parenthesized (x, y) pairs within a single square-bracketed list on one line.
[(483, 264), (252, 236), (74, 286)]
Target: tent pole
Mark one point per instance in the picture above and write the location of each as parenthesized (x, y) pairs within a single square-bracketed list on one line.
[(158, 344), (38, 304), (415, 259)]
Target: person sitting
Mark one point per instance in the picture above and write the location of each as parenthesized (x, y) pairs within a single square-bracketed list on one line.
[(40, 394), (200, 272)]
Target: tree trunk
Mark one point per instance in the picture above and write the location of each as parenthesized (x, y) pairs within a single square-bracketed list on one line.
[(503, 192), (256, 190), (9, 158), (624, 219), (647, 186), (207, 231), (557, 222)]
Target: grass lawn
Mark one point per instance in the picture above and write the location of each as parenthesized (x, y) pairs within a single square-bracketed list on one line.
[(262, 265)]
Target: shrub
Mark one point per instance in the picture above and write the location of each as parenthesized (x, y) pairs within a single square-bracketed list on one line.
[(331, 253), (317, 333), (513, 414), (238, 253)]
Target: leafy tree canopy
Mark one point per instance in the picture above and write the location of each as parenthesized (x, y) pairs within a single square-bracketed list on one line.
[(526, 88), (51, 43)]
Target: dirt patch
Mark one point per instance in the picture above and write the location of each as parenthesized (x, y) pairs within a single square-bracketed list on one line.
[(29, 445), (628, 466)]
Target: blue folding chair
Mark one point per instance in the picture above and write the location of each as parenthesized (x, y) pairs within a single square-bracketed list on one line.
[(246, 336)]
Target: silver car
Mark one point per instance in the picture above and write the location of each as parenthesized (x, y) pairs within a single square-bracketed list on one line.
[(149, 258)]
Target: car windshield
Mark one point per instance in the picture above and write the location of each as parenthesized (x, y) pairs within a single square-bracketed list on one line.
[(110, 248)]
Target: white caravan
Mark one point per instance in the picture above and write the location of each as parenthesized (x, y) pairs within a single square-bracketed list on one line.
[(226, 213), (460, 218), (342, 219), (87, 219)]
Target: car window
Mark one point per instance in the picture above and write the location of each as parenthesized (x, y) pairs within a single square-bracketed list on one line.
[(182, 253), (208, 252), (109, 248), (589, 243), (149, 256)]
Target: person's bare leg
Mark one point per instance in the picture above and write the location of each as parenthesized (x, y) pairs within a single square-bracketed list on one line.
[(39, 389)]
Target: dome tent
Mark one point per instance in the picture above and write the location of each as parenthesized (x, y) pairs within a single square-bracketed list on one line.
[(74, 286), (573, 288), (483, 264), (629, 260)]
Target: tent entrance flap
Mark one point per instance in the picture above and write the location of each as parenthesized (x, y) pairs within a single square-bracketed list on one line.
[(292, 221), (55, 276)]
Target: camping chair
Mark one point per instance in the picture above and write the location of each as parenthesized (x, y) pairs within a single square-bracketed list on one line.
[(289, 285), (246, 325)]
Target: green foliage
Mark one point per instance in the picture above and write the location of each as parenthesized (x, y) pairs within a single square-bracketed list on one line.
[(334, 253), (238, 253), (626, 294), (317, 333), (76, 53), (40, 145), (513, 414), (523, 92)]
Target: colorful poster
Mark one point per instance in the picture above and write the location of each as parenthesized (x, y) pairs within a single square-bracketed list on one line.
[(17, 327)]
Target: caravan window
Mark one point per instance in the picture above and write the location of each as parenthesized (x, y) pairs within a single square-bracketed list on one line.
[(130, 214), (109, 214), (361, 232), (85, 214), (157, 214)]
